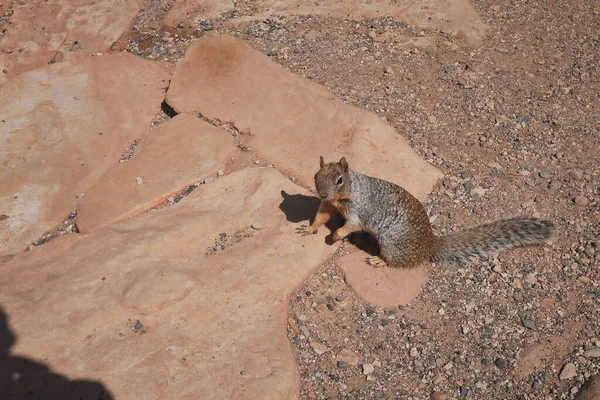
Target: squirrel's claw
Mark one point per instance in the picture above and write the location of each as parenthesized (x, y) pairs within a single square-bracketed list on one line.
[(303, 230)]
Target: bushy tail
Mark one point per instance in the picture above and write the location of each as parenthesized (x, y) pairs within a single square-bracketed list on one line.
[(481, 241)]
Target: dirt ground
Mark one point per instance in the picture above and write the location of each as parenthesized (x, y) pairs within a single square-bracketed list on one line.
[(514, 126)]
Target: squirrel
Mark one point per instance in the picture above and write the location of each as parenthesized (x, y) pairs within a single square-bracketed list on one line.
[(400, 224)]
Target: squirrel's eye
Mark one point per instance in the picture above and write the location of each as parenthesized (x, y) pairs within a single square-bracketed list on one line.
[(340, 181)]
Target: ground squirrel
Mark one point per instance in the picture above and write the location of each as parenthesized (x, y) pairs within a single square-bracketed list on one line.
[(400, 224)]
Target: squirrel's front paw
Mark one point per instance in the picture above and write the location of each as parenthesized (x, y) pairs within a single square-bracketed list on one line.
[(305, 230)]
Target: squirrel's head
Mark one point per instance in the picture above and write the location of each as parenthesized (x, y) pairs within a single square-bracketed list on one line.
[(332, 179)]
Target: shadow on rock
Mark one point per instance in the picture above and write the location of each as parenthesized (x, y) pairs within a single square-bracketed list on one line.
[(300, 208), (22, 378)]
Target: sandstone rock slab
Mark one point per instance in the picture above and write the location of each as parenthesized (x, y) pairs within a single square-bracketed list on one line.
[(384, 287), (454, 17), (288, 119), (178, 153), (212, 322), (187, 12), (61, 127), (41, 31)]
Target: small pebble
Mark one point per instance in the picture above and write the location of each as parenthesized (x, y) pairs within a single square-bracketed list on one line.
[(464, 391), (138, 326), (592, 353), (220, 173), (256, 226), (581, 200), (576, 174), (339, 298), (319, 348), (518, 297), (545, 174), (138, 180), (529, 324), (368, 369), (180, 25), (501, 363), (537, 385), (343, 364), (568, 371), (468, 186)]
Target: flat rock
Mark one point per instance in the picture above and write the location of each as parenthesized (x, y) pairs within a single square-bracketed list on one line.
[(188, 12), (590, 389), (290, 120), (213, 322), (64, 125), (454, 17), (62, 30), (178, 153), (384, 286)]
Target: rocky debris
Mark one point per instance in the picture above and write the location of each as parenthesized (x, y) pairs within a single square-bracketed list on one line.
[(226, 240), (128, 153), (212, 80), (174, 155), (152, 265), (69, 225), (40, 191)]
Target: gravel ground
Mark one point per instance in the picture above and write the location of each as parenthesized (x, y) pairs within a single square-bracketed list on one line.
[(514, 126)]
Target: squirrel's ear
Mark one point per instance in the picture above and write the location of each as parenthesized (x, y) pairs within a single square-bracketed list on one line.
[(344, 164), (321, 161)]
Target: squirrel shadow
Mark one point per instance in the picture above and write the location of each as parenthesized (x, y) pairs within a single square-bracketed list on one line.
[(300, 208), (22, 378)]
